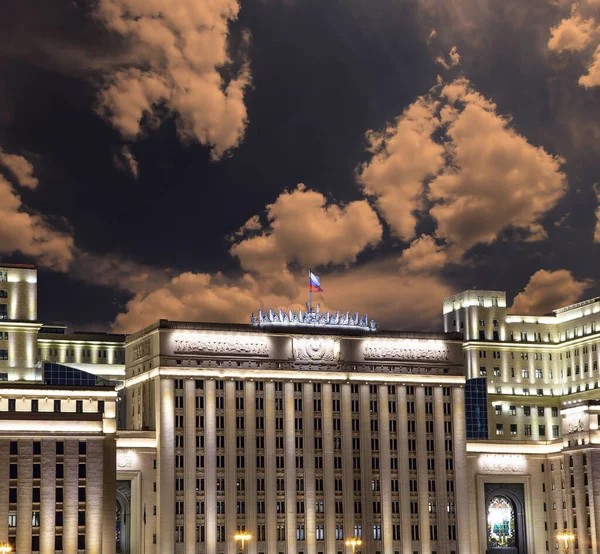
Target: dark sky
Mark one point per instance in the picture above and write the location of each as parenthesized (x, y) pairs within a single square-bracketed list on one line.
[(441, 146)]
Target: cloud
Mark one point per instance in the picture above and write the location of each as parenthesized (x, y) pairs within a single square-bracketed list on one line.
[(182, 62), (125, 161), (592, 77), (424, 256), (117, 272), (21, 169), (597, 227), (394, 300), (451, 154), (431, 35), (303, 227), (404, 155), (547, 291), (494, 178), (575, 34), (31, 234), (454, 59), (571, 34)]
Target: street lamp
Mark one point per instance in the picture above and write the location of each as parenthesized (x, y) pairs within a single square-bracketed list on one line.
[(353, 543), (5, 548), (565, 536), (243, 536)]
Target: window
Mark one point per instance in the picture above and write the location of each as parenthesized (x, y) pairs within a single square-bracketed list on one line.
[(542, 430), (499, 429)]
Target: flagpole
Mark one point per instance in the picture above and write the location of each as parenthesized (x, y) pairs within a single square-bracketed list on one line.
[(309, 292)]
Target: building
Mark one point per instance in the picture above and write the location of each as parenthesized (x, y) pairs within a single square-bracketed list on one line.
[(538, 452), (303, 429), (57, 430), (303, 436)]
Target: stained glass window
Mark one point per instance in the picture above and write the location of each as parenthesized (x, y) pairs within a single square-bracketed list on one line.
[(501, 523)]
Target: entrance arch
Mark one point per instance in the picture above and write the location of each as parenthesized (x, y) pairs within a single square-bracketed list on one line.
[(501, 522), (505, 518), (123, 517)]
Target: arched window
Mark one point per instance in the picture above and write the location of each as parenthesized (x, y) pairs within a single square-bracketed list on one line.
[(501, 523)]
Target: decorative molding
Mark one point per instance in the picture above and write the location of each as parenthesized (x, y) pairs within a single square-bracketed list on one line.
[(141, 350), (316, 349), (313, 318), (406, 350), (575, 424), (124, 459), (503, 463), (221, 344)]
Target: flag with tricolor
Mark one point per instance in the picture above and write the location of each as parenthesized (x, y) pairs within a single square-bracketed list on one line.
[(314, 282)]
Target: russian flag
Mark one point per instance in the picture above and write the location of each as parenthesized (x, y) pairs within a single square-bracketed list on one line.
[(314, 282)]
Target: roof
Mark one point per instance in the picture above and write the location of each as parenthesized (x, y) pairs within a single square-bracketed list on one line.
[(291, 330), (17, 266)]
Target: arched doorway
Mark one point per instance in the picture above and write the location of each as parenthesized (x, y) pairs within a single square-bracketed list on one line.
[(501, 523), (505, 518), (123, 516)]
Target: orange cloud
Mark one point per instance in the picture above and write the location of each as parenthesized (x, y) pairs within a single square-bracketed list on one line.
[(393, 299), (571, 34), (404, 156), (547, 291), (494, 178), (479, 177), (424, 256), (31, 234), (177, 50), (303, 227), (21, 169)]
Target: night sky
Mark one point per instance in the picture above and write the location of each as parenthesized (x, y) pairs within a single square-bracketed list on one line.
[(192, 159)]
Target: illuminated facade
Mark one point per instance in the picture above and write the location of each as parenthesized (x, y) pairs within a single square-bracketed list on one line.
[(538, 452), (57, 429), (303, 429), (300, 436)]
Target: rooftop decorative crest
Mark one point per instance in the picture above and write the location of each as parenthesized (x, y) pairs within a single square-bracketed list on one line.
[(313, 318)]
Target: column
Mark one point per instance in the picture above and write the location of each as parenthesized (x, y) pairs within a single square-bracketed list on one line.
[(460, 470), (422, 475), (230, 468), (109, 493), (71, 496), (48, 499), (250, 453), (210, 466), (189, 456), (309, 469), (403, 472), (270, 469), (440, 469), (290, 468), (4, 486), (385, 470), (328, 475), (94, 494), (166, 468), (366, 473), (347, 472), (580, 509), (24, 497)]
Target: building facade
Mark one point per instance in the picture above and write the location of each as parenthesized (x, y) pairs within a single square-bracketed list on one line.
[(57, 429), (304, 430), (538, 452), (302, 437)]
